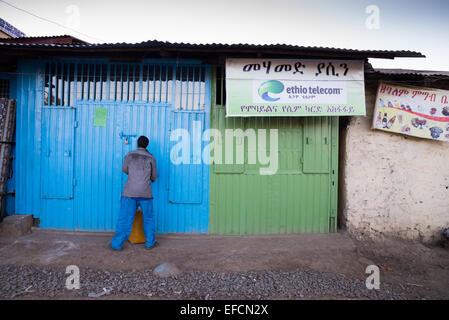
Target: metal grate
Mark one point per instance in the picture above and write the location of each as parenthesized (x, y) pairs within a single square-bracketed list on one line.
[(4, 88), (220, 80), (190, 88), (143, 83)]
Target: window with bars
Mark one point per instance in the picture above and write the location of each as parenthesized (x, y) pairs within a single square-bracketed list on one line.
[(4, 88), (182, 86), (190, 88)]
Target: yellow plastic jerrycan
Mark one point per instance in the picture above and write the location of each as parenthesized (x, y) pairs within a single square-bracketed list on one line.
[(137, 235)]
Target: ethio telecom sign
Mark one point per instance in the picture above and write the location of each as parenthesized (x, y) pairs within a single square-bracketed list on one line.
[(304, 87)]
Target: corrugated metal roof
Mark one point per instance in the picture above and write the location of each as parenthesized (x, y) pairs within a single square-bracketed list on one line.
[(10, 29), (220, 48), (410, 72), (62, 39)]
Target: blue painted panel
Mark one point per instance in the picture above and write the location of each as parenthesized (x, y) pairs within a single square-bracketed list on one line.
[(186, 183), (154, 122), (57, 214), (57, 153), (98, 152), (97, 167), (28, 135)]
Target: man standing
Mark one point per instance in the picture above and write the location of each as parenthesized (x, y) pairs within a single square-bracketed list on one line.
[(140, 166)]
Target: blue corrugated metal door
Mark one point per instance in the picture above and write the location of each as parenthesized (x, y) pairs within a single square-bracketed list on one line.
[(57, 153), (92, 117), (97, 167), (186, 178)]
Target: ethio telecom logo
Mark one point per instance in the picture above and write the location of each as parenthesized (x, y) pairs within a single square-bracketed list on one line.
[(270, 86)]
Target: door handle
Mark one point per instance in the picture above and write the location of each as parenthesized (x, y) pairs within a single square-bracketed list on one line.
[(126, 136)]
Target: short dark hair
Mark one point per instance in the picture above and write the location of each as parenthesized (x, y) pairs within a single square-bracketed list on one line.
[(142, 142)]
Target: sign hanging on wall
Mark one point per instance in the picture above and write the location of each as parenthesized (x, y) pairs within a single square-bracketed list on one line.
[(414, 111), (100, 117), (294, 87)]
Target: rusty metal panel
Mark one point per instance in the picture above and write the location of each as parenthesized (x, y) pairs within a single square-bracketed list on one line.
[(7, 127)]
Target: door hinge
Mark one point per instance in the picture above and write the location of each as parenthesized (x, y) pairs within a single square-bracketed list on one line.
[(74, 182), (332, 213), (75, 124)]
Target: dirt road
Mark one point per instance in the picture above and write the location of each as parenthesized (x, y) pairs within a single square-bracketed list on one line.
[(317, 266)]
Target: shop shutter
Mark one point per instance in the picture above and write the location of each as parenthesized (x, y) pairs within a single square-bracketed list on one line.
[(57, 152), (186, 179), (316, 144)]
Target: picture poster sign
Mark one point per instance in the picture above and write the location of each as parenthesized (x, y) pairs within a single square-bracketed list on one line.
[(294, 87), (415, 111)]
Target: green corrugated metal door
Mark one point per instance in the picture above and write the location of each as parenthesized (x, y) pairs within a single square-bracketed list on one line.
[(300, 198)]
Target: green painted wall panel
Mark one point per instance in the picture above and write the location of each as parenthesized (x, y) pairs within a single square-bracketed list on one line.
[(317, 135), (300, 198)]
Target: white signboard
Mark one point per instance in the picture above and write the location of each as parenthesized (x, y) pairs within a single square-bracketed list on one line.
[(302, 87)]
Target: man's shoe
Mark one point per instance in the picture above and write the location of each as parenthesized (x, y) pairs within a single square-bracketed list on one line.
[(113, 249), (153, 246)]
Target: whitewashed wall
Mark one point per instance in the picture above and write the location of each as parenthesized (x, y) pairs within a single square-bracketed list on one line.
[(393, 184)]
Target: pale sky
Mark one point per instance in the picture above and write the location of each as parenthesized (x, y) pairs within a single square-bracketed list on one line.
[(401, 25)]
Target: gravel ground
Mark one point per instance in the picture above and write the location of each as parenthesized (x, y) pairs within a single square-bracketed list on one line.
[(29, 281)]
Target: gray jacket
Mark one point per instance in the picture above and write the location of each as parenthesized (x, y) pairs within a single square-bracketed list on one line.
[(140, 166)]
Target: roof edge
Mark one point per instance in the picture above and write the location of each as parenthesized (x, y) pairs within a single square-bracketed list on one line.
[(214, 47)]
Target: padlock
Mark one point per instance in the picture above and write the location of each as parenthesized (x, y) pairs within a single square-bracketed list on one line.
[(126, 141)]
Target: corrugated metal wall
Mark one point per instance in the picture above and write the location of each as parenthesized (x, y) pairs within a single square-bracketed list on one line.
[(68, 170), (28, 138), (71, 177), (300, 198)]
